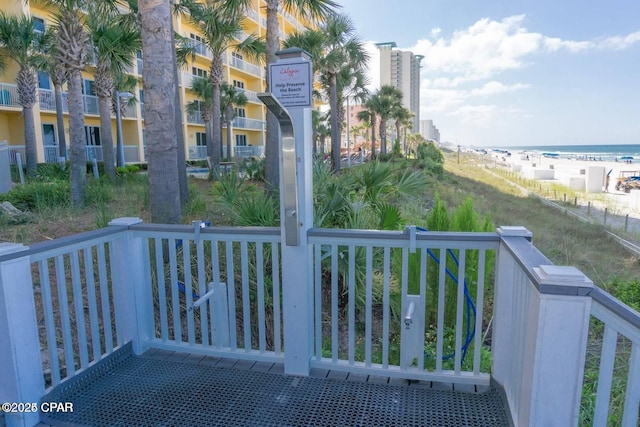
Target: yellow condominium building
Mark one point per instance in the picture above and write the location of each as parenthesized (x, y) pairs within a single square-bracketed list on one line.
[(248, 128)]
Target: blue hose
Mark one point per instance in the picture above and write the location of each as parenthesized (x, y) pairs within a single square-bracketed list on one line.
[(470, 329)]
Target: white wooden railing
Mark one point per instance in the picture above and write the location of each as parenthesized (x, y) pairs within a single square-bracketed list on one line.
[(210, 298), (362, 277), (375, 295), (545, 318)]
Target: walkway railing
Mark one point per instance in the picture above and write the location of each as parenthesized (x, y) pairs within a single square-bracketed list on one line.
[(379, 294), (209, 290), (400, 304)]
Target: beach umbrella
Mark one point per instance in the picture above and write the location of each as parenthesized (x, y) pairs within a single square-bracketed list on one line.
[(626, 158)]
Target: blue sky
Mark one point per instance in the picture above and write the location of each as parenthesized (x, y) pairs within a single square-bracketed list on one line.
[(509, 72)]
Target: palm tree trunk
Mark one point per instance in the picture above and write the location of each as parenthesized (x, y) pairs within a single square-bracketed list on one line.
[(216, 128), (62, 140), (229, 132), (26, 82), (383, 136), (182, 159), (271, 149), (160, 89), (373, 138), (78, 157), (106, 137), (30, 140), (217, 76), (335, 128)]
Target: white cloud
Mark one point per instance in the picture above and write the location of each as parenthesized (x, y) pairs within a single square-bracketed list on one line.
[(619, 42), (437, 98), (486, 115), (489, 47), (463, 72), (494, 88)]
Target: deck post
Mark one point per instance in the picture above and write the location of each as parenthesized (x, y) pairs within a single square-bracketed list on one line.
[(540, 336), (131, 287), (21, 379)]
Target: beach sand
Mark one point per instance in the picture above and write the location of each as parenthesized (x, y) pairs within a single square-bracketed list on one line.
[(587, 179)]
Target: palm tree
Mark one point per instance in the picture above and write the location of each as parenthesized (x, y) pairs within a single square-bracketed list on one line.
[(402, 117), (343, 53), (221, 25), (203, 105), (159, 82), (58, 75), (370, 118), (19, 42), (72, 47), (390, 98), (317, 10), (115, 41), (231, 98), (339, 57)]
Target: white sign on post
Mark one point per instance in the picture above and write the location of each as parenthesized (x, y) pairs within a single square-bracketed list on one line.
[(291, 83)]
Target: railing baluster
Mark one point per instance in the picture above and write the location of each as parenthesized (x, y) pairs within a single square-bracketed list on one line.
[(318, 298), (246, 296), (215, 274), (632, 397), (231, 290), (47, 302), (92, 303), (459, 310), (188, 290), (441, 295), (202, 289), (81, 328), (262, 334), (334, 303), (605, 376), (404, 287), (162, 290), (65, 320), (105, 304), (116, 317), (386, 318), (423, 295), (477, 345), (275, 277), (368, 308), (175, 297), (352, 303)]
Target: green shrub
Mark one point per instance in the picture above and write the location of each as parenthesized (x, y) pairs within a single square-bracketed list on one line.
[(254, 168), (256, 209), (228, 186), (99, 191), (51, 172), (197, 203), (36, 195), (127, 170), (438, 218), (430, 158), (628, 292)]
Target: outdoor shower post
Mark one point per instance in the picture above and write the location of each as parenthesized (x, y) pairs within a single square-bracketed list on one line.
[(291, 83)]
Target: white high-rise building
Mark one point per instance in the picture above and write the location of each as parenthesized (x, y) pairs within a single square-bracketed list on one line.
[(429, 131), (402, 69)]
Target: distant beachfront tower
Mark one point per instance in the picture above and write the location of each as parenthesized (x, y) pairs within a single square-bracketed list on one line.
[(429, 131), (402, 69)]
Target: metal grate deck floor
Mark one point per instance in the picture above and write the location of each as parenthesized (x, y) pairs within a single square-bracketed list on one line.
[(175, 389)]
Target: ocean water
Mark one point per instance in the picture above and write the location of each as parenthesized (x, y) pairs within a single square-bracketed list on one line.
[(586, 152)]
